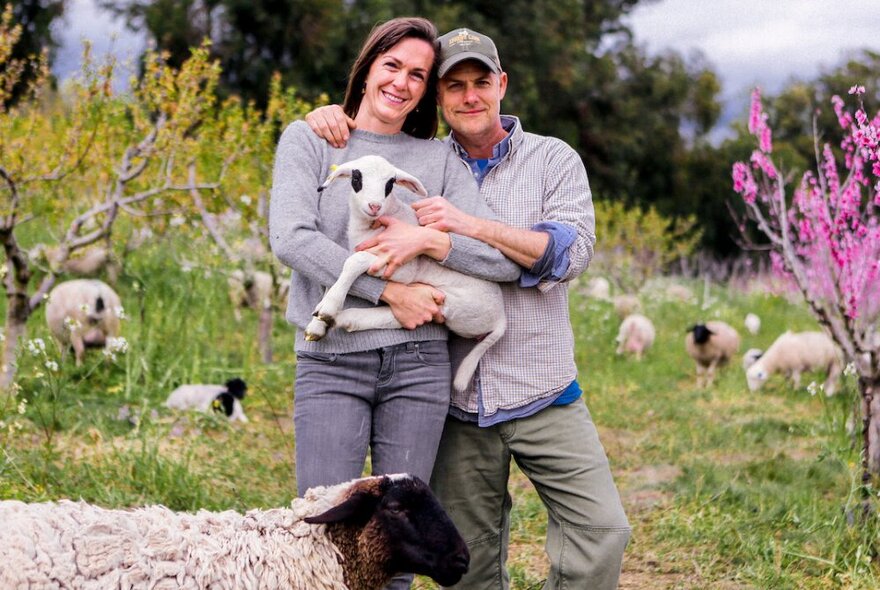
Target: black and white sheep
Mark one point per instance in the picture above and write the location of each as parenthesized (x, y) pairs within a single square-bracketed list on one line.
[(352, 536), (710, 345), (83, 313), (793, 353), (473, 307), (207, 398), (750, 357)]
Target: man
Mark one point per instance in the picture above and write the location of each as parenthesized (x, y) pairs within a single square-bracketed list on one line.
[(524, 402)]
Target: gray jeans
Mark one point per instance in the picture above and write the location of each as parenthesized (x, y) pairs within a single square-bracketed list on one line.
[(558, 449), (391, 401)]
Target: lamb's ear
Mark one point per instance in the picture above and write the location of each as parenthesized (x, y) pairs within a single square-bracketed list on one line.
[(358, 508), (337, 172), (410, 182)]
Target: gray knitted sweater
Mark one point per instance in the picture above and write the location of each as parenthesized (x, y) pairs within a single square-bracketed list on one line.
[(308, 230)]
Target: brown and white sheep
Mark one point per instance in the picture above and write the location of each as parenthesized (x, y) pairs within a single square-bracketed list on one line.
[(711, 345)]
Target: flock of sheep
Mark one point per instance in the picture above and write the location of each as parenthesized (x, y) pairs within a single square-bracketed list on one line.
[(714, 343)]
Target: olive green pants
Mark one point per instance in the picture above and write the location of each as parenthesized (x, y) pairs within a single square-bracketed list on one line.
[(558, 449)]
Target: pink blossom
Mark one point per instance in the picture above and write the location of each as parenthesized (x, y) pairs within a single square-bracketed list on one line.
[(857, 90)]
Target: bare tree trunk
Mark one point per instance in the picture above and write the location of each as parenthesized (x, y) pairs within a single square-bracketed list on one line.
[(17, 313), (870, 395), (265, 334)]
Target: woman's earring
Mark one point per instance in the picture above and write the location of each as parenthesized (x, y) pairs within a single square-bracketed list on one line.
[(364, 88)]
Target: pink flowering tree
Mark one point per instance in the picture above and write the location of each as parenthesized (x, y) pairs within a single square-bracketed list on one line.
[(826, 239)]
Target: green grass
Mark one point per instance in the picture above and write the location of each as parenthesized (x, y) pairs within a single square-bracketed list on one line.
[(724, 488)]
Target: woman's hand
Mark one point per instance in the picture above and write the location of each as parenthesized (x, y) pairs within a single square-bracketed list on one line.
[(400, 242), (414, 304), (331, 124)]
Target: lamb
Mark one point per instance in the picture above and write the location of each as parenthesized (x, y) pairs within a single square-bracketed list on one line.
[(83, 313), (598, 288), (636, 335), (473, 307), (369, 529), (679, 293), (711, 344), (752, 323), (252, 289), (89, 263), (793, 353), (626, 304), (750, 357), (206, 398)]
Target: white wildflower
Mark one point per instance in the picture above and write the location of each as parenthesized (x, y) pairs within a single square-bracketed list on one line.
[(115, 346), (813, 387), (84, 308), (52, 366), (36, 346), (22, 406), (120, 312), (72, 324), (177, 221), (245, 199), (850, 369)]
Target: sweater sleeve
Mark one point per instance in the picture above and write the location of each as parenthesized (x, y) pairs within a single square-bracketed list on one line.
[(294, 217), (469, 255)]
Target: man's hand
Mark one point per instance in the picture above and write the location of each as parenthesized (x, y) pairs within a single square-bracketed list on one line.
[(414, 304), (438, 213), (400, 242), (331, 124)]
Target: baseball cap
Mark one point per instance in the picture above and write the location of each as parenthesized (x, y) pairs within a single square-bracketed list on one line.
[(460, 44)]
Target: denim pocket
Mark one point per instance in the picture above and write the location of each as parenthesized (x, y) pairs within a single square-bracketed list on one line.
[(433, 353), (325, 358)]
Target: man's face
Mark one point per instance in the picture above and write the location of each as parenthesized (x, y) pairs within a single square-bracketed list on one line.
[(470, 98)]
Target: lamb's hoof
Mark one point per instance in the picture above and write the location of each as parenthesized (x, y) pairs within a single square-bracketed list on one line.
[(318, 327)]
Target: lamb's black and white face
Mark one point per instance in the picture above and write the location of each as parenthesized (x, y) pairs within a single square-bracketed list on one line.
[(701, 333), (224, 402)]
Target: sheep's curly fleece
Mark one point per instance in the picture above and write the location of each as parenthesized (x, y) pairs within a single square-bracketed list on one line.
[(76, 545)]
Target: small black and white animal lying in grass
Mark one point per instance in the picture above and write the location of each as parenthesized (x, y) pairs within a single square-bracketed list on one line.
[(207, 398), (370, 529)]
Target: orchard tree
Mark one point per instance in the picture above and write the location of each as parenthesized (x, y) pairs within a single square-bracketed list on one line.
[(827, 240), (77, 160)]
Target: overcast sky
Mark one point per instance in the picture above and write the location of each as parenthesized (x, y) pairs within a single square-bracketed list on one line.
[(748, 42)]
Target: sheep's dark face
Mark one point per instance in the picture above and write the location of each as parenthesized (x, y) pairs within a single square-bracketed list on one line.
[(224, 403), (423, 538), (701, 333)]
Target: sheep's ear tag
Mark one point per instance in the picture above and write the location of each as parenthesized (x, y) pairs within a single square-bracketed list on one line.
[(358, 508), (333, 168)]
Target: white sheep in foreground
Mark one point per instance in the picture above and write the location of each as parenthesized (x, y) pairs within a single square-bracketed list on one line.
[(626, 304), (710, 345), (83, 313), (473, 307), (202, 397), (636, 335), (376, 527), (752, 323), (750, 357), (793, 353)]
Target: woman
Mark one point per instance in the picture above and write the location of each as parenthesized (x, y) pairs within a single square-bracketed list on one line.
[(385, 391)]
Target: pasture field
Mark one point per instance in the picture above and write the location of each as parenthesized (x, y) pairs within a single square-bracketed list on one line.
[(724, 488)]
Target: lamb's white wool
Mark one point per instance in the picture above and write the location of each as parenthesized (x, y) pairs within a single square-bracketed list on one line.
[(750, 357), (79, 546), (752, 323), (81, 313), (710, 345), (202, 397), (793, 353), (473, 308), (599, 288), (626, 304), (636, 335)]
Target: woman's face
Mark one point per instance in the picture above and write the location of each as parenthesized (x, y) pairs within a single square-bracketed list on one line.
[(395, 84)]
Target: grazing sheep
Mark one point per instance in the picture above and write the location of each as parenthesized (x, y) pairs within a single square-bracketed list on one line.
[(711, 344), (83, 313), (206, 398), (598, 288), (626, 305), (473, 307), (752, 323), (793, 353), (90, 262), (252, 290), (750, 357), (373, 528), (680, 293), (636, 335)]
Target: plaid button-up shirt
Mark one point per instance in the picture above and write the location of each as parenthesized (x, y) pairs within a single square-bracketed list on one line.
[(539, 179)]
